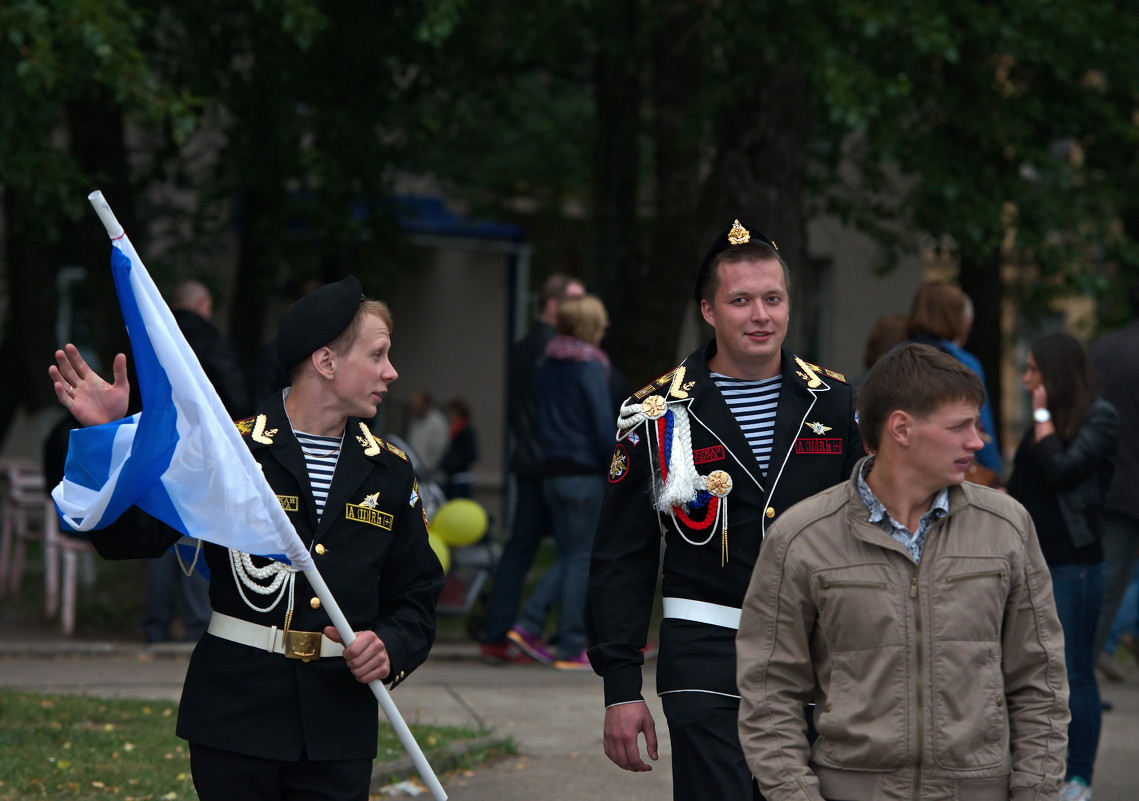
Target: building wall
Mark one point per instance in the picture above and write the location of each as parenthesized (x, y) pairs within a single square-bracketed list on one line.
[(854, 296), (452, 327)]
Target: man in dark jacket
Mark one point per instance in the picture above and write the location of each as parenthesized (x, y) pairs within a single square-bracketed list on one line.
[(708, 455), (166, 582), (531, 520), (193, 308), (274, 705), (1116, 360)]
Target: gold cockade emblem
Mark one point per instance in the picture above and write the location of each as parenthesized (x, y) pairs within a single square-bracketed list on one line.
[(738, 235)]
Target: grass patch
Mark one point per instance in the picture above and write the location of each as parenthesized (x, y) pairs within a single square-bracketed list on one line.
[(82, 748)]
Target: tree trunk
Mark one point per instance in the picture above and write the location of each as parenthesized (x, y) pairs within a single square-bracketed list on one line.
[(981, 281), (29, 337), (616, 164), (759, 174), (660, 289)]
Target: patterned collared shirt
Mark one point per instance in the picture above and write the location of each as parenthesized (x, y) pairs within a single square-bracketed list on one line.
[(912, 542)]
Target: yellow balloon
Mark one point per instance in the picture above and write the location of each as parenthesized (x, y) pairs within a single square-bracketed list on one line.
[(460, 522), (442, 550)]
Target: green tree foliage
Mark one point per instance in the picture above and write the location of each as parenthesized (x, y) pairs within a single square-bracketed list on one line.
[(623, 133)]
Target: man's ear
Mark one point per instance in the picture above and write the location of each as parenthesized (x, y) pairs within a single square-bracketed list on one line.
[(324, 360), (899, 426), (707, 313)]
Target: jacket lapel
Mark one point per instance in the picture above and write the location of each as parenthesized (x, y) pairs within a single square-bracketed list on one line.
[(708, 409), (351, 470), (796, 400), (272, 430)]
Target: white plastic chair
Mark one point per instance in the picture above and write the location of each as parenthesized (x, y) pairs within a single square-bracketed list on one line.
[(61, 569), (23, 521)]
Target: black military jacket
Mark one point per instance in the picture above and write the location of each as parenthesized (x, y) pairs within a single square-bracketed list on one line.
[(816, 445), (370, 547)]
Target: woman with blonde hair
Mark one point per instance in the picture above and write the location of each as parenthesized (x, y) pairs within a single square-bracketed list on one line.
[(576, 430)]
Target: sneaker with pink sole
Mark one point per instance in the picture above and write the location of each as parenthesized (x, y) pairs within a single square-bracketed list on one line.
[(530, 645), (579, 662)]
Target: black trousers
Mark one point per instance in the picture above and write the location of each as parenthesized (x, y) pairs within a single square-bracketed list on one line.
[(707, 761), (224, 776)]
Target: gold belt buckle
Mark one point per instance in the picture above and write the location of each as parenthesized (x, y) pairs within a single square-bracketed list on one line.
[(302, 645)]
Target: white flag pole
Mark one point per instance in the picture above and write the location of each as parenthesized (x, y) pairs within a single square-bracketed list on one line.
[(378, 689), (115, 231)]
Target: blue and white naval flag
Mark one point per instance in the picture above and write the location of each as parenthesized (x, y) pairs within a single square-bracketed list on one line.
[(180, 459)]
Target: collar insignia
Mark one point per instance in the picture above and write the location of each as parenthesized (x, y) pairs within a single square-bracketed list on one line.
[(260, 434), (813, 381), (818, 428), (678, 379), (368, 441)]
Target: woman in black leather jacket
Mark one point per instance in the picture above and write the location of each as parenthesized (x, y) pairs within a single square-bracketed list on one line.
[(1061, 473)]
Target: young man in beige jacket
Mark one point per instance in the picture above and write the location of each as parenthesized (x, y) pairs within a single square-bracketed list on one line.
[(914, 609)]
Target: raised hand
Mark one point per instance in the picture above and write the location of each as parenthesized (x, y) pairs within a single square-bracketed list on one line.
[(84, 393)]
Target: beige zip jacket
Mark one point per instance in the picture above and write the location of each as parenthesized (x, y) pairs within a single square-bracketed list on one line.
[(943, 680)]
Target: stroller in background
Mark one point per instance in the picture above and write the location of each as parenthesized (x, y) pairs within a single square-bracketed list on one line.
[(472, 566)]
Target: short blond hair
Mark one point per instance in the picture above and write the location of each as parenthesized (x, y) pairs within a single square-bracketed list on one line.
[(347, 338), (583, 317)]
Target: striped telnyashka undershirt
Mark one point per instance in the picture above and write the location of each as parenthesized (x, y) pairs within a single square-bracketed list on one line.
[(753, 404), (321, 454)]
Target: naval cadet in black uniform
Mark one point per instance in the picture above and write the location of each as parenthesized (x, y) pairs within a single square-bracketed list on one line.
[(707, 456), (270, 715)]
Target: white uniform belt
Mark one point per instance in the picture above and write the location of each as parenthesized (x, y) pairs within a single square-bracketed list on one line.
[(269, 638), (702, 612)]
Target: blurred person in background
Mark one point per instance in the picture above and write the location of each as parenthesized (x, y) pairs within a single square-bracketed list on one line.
[(1061, 473), (462, 451), (428, 433), (575, 429), (1116, 360), (168, 586), (889, 331), (530, 516), (1123, 634), (940, 316)]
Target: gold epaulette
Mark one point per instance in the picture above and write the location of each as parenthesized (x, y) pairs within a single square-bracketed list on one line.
[(828, 373), (654, 385), (244, 427)]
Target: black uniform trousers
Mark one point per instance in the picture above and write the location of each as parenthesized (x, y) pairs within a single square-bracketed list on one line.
[(221, 775), (707, 763)]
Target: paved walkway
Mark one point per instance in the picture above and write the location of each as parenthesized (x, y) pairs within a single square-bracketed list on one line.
[(555, 718)]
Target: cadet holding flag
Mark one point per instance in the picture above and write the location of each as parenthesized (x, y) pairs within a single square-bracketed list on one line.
[(274, 706)]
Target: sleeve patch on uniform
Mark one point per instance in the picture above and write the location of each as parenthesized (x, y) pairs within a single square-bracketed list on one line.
[(619, 467)]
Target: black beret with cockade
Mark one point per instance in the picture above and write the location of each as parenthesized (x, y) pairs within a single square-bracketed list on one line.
[(734, 234), (317, 319)]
